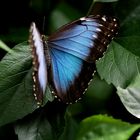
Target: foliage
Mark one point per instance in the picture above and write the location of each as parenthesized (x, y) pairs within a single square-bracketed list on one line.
[(119, 70)]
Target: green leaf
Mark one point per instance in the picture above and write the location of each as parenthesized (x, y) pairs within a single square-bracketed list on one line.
[(118, 66), (37, 128), (121, 67), (130, 96), (138, 137), (42, 124), (70, 129), (121, 64), (48, 96), (101, 127), (16, 99)]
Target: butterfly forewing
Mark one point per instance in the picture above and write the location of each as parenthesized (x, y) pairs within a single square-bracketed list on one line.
[(39, 64), (74, 48)]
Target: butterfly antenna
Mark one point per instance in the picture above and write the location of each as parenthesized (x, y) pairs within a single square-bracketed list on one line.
[(43, 28)]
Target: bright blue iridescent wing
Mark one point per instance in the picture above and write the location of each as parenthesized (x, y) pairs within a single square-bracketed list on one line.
[(76, 39), (68, 71), (74, 48)]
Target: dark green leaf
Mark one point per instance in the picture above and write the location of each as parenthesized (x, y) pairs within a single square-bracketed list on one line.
[(16, 99), (37, 128), (121, 65), (45, 123), (118, 66), (70, 129)]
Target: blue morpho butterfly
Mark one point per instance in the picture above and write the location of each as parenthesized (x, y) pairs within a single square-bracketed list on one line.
[(65, 61)]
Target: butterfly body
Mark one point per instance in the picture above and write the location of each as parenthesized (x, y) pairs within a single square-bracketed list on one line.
[(69, 56)]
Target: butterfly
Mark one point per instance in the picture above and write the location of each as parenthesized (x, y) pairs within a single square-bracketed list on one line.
[(64, 62)]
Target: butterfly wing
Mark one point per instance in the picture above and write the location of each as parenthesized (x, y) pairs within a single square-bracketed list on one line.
[(39, 64), (86, 37), (74, 48), (71, 75)]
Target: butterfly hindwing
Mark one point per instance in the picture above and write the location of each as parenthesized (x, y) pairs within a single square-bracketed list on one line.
[(68, 74), (74, 48)]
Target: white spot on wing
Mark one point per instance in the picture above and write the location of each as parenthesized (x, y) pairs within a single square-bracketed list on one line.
[(97, 29), (94, 36), (83, 18), (55, 96), (108, 35), (114, 19), (103, 18)]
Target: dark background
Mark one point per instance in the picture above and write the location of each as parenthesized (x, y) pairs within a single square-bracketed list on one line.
[(16, 15)]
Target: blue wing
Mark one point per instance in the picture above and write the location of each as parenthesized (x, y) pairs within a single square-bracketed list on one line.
[(77, 38), (74, 49), (68, 71)]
